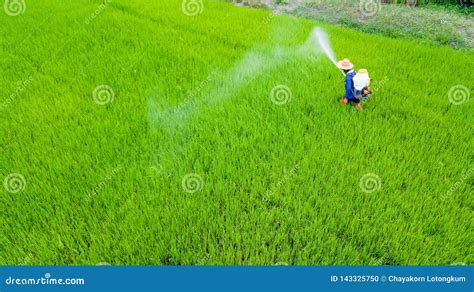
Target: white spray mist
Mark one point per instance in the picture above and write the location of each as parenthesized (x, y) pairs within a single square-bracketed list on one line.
[(322, 38)]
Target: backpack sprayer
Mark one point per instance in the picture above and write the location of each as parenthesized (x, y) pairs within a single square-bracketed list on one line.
[(361, 84)]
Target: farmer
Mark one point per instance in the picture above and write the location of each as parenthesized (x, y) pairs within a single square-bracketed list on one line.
[(350, 96)]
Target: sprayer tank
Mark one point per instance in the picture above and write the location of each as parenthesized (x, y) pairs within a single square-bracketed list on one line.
[(361, 79)]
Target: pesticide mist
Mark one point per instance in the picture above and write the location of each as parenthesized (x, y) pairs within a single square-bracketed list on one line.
[(323, 41), (224, 85)]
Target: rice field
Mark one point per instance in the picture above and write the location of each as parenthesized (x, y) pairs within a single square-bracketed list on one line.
[(156, 133)]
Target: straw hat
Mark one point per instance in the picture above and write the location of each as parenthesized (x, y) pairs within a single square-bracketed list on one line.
[(345, 64)]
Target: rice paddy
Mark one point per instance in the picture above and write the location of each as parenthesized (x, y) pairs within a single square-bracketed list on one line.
[(153, 133)]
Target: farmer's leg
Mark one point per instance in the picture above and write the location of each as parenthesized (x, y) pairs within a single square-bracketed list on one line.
[(357, 104)]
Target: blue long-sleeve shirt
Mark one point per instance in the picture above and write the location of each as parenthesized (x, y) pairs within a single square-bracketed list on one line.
[(350, 85)]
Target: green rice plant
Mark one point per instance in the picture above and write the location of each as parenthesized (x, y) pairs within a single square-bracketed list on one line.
[(159, 133)]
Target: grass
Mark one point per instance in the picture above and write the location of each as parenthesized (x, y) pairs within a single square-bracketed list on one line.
[(267, 183), (451, 25)]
